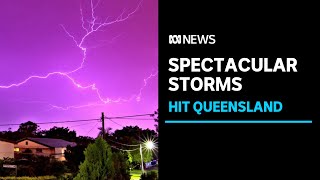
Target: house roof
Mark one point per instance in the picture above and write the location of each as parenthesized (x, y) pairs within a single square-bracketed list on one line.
[(50, 142), (8, 141)]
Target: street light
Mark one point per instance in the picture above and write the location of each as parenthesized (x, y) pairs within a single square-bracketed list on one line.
[(150, 145)]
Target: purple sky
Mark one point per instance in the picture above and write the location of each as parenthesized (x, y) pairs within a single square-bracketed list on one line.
[(119, 57)]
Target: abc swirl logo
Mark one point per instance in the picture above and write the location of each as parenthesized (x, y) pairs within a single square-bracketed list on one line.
[(174, 39)]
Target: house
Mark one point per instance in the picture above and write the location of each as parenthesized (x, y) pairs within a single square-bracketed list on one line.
[(6, 149), (43, 147)]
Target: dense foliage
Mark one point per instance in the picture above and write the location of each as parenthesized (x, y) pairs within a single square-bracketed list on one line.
[(98, 162)]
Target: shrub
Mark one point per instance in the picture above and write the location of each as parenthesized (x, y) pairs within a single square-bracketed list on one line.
[(57, 168)]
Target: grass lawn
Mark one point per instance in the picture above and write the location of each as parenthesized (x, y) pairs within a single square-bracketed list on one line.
[(135, 174)]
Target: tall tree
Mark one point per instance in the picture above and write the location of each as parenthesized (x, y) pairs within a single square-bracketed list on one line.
[(28, 128), (97, 163)]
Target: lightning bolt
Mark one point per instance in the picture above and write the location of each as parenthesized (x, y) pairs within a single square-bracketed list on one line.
[(136, 97), (90, 28)]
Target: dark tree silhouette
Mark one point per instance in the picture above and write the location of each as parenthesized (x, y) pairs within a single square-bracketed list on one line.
[(29, 129), (156, 119), (74, 155), (59, 133)]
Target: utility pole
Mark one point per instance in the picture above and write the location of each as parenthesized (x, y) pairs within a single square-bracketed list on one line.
[(142, 168), (103, 130)]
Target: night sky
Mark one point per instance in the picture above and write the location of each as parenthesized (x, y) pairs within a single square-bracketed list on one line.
[(121, 61)]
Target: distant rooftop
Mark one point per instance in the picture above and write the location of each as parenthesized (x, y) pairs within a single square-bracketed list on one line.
[(51, 142), (5, 140)]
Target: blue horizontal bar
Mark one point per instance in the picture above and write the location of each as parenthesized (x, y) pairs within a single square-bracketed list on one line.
[(238, 122)]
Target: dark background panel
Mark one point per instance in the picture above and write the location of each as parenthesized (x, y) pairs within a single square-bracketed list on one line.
[(241, 151)]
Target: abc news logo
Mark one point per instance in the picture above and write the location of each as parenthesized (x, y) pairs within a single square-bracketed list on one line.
[(192, 39)]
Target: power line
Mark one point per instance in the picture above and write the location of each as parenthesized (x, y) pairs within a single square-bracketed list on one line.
[(83, 120), (92, 128), (125, 149), (123, 143), (137, 119), (116, 123), (79, 125), (54, 122), (137, 115)]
